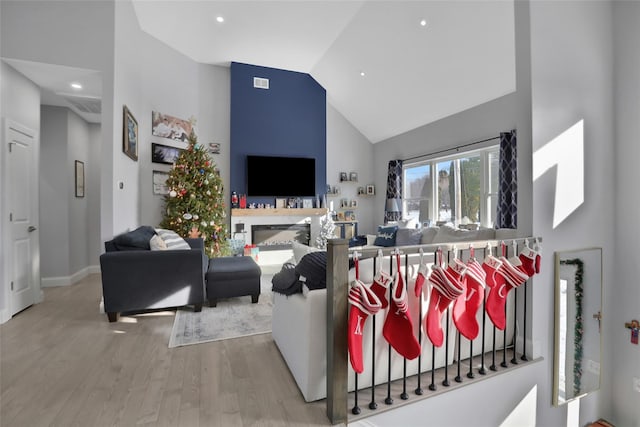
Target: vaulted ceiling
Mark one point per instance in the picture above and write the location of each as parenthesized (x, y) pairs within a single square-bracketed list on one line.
[(387, 66)]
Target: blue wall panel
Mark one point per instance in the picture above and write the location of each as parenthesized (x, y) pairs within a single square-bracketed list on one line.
[(289, 119)]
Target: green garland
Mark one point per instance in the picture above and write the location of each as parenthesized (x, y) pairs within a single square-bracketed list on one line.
[(578, 328)]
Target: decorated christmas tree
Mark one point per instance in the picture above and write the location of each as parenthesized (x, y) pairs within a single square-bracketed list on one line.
[(194, 205), (327, 227)]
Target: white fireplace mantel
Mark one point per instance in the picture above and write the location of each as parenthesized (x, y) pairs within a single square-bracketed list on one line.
[(245, 218)]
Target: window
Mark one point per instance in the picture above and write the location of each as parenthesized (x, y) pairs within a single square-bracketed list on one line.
[(463, 189)]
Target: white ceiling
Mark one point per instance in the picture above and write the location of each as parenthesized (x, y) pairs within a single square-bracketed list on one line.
[(55, 89), (414, 75)]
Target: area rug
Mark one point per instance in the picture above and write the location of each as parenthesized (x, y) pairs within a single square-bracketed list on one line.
[(231, 318)]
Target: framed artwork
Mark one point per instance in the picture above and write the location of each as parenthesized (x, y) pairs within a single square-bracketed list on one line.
[(371, 190), (166, 126), (340, 216), (129, 134), (79, 173), (353, 177), (214, 148), (160, 182), (343, 176), (281, 203), (307, 203), (164, 154)]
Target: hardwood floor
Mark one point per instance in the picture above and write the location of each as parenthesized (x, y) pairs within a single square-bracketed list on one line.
[(62, 363)]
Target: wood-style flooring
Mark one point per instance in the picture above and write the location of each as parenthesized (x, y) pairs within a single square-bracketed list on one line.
[(63, 364)]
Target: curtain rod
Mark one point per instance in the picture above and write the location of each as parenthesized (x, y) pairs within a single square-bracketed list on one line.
[(451, 149)]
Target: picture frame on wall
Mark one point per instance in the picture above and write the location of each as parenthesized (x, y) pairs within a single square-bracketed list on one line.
[(170, 127), (160, 182), (214, 148), (353, 177), (79, 178), (371, 190), (164, 153), (129, 134)]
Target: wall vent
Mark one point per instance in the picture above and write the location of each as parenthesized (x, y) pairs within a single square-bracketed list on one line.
[(260, 83), (84, 104)]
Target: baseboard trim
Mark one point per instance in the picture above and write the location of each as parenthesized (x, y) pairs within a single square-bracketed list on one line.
[(4, 317), (51, 282)]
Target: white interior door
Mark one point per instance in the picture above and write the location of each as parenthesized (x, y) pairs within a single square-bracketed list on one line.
[(21, 204)]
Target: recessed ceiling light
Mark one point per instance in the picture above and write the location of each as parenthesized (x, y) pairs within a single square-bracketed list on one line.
[(220, 19), (423, 22), (362, 73), (76, 86)]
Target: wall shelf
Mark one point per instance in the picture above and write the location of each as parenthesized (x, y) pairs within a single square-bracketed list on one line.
[(279, 212)]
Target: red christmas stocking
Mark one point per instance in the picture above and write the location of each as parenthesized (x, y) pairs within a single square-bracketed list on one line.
[(527, 258), (490, 265), (538, 256), (380, 286), (507, 277), (398, 327), (466, 305), (444, 290), (363, 303), (420, 279)]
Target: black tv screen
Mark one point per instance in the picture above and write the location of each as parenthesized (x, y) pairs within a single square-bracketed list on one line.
[(281, 176)]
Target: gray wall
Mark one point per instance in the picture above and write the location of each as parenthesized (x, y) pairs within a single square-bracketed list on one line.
[(78, 149), (478, 123), (623, 291), (68, 243), (348, 150), (54, 193), (92, 182), (67, 33), (572, 80), (168, 82)]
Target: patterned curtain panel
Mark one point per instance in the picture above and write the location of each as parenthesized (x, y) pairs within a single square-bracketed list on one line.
[(393, 205), (507, 215)]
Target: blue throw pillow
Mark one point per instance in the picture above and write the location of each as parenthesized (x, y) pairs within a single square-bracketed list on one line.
[(386, 236)]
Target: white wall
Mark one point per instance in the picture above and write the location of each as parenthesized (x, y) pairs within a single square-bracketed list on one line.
[(20, 103), (348, 150), (572, 80), (624, 301)]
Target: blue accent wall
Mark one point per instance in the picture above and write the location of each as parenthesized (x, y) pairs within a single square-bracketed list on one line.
[(288, 119)]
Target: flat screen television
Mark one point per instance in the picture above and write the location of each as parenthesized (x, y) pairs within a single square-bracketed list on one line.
[(281, 176)]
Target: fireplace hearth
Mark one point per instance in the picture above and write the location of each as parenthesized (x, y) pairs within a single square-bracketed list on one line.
[(279, 236)]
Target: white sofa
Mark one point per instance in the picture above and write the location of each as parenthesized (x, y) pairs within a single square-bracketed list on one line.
[(299, 331)]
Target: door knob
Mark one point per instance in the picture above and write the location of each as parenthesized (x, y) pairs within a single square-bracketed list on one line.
[(31, 229)]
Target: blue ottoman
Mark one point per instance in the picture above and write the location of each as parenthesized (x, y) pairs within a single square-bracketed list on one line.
[(233, 276)]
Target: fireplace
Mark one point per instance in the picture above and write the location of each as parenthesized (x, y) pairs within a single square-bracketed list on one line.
[(279, 236)]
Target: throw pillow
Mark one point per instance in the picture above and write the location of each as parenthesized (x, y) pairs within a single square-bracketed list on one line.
[(172, 239), (286, 282), (312, 270), (300, 250), (408, 236), (386, 236), (138, 238), (157, 244)]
